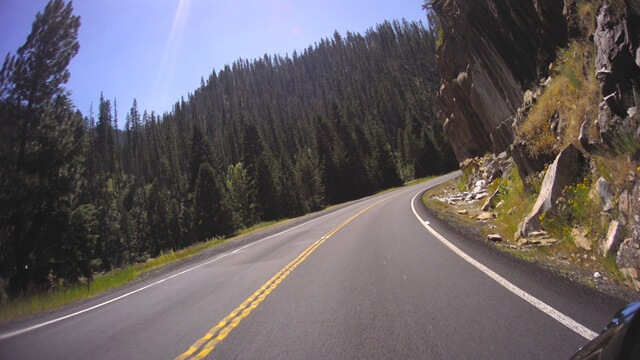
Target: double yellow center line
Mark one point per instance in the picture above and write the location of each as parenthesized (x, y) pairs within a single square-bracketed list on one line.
[(216, 334)]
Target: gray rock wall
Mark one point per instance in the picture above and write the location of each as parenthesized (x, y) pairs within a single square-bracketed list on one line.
[(491, 52)]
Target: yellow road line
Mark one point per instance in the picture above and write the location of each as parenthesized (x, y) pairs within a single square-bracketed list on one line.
[(224, 327)]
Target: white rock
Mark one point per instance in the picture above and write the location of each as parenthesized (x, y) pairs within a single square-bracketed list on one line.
[(541, 234), (597, 275), (481, 195), (485, 216), (560, 174), (605, 193), (580, 240), (494, 237), (623, 202), (613, 239)]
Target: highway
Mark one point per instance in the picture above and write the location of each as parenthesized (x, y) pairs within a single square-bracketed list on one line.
[(370, 280)]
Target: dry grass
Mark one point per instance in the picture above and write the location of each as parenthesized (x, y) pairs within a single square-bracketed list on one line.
[(587, 11), (571, 98), (614, 169)]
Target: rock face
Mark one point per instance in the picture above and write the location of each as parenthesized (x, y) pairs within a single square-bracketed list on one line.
[(561, 174), (494, 63), (491, 53), (628, 255), (617, 39)]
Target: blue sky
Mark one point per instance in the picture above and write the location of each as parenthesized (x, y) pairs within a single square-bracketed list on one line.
[(157, 50)]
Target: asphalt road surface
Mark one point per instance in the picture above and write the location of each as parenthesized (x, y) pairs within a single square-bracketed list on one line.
[(368, 281)]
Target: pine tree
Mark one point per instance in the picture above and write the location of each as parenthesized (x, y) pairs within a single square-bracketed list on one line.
[(263, 139), (41, 146), (242, 196), (308, 175), (158, 220), (381, 165), (210, 218), (268, 191), (200, 153)]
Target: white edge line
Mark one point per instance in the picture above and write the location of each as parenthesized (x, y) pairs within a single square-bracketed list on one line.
[(539, 304), (37, 326)]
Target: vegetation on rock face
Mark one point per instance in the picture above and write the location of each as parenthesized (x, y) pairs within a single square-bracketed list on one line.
[(259, 140), (517, 202), (571, 98), (571, 101), (586, 97), (578, 208)]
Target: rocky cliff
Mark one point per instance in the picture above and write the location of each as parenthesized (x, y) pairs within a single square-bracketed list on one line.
[(542, 80), (492, 51)]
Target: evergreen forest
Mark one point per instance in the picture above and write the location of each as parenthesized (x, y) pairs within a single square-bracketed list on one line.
[(260, 140)]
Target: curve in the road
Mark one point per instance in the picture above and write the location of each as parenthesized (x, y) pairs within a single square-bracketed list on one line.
[(226, 325), (537, 303), (14, 333)]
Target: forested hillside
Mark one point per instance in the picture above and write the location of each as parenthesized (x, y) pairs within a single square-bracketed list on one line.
[(260, 140)]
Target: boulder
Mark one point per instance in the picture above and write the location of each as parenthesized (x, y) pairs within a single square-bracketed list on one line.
[(613, 239), (623, 202), (628, 255), (485, 216), (542, 241), (494, 237), (480, 195), (463, 212), (631, 278), (491, 201), (583, 138), (605, 193), (580, 240), (562, 173)]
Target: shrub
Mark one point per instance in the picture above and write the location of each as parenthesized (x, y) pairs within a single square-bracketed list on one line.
[(576, 208), (516, 202)]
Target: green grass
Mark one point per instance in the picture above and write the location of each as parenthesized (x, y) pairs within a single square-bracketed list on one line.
[(55, 298), (407, 184), (517, 204), (259, 226)]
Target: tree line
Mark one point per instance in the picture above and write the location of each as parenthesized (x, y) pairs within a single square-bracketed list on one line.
[(260, 140)]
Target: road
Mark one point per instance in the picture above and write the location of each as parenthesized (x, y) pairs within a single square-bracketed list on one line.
[(368, 281)]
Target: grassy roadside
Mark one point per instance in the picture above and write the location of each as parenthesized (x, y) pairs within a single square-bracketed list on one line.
[(55, 298), (27, 306), (562, 257), (407, 184)]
